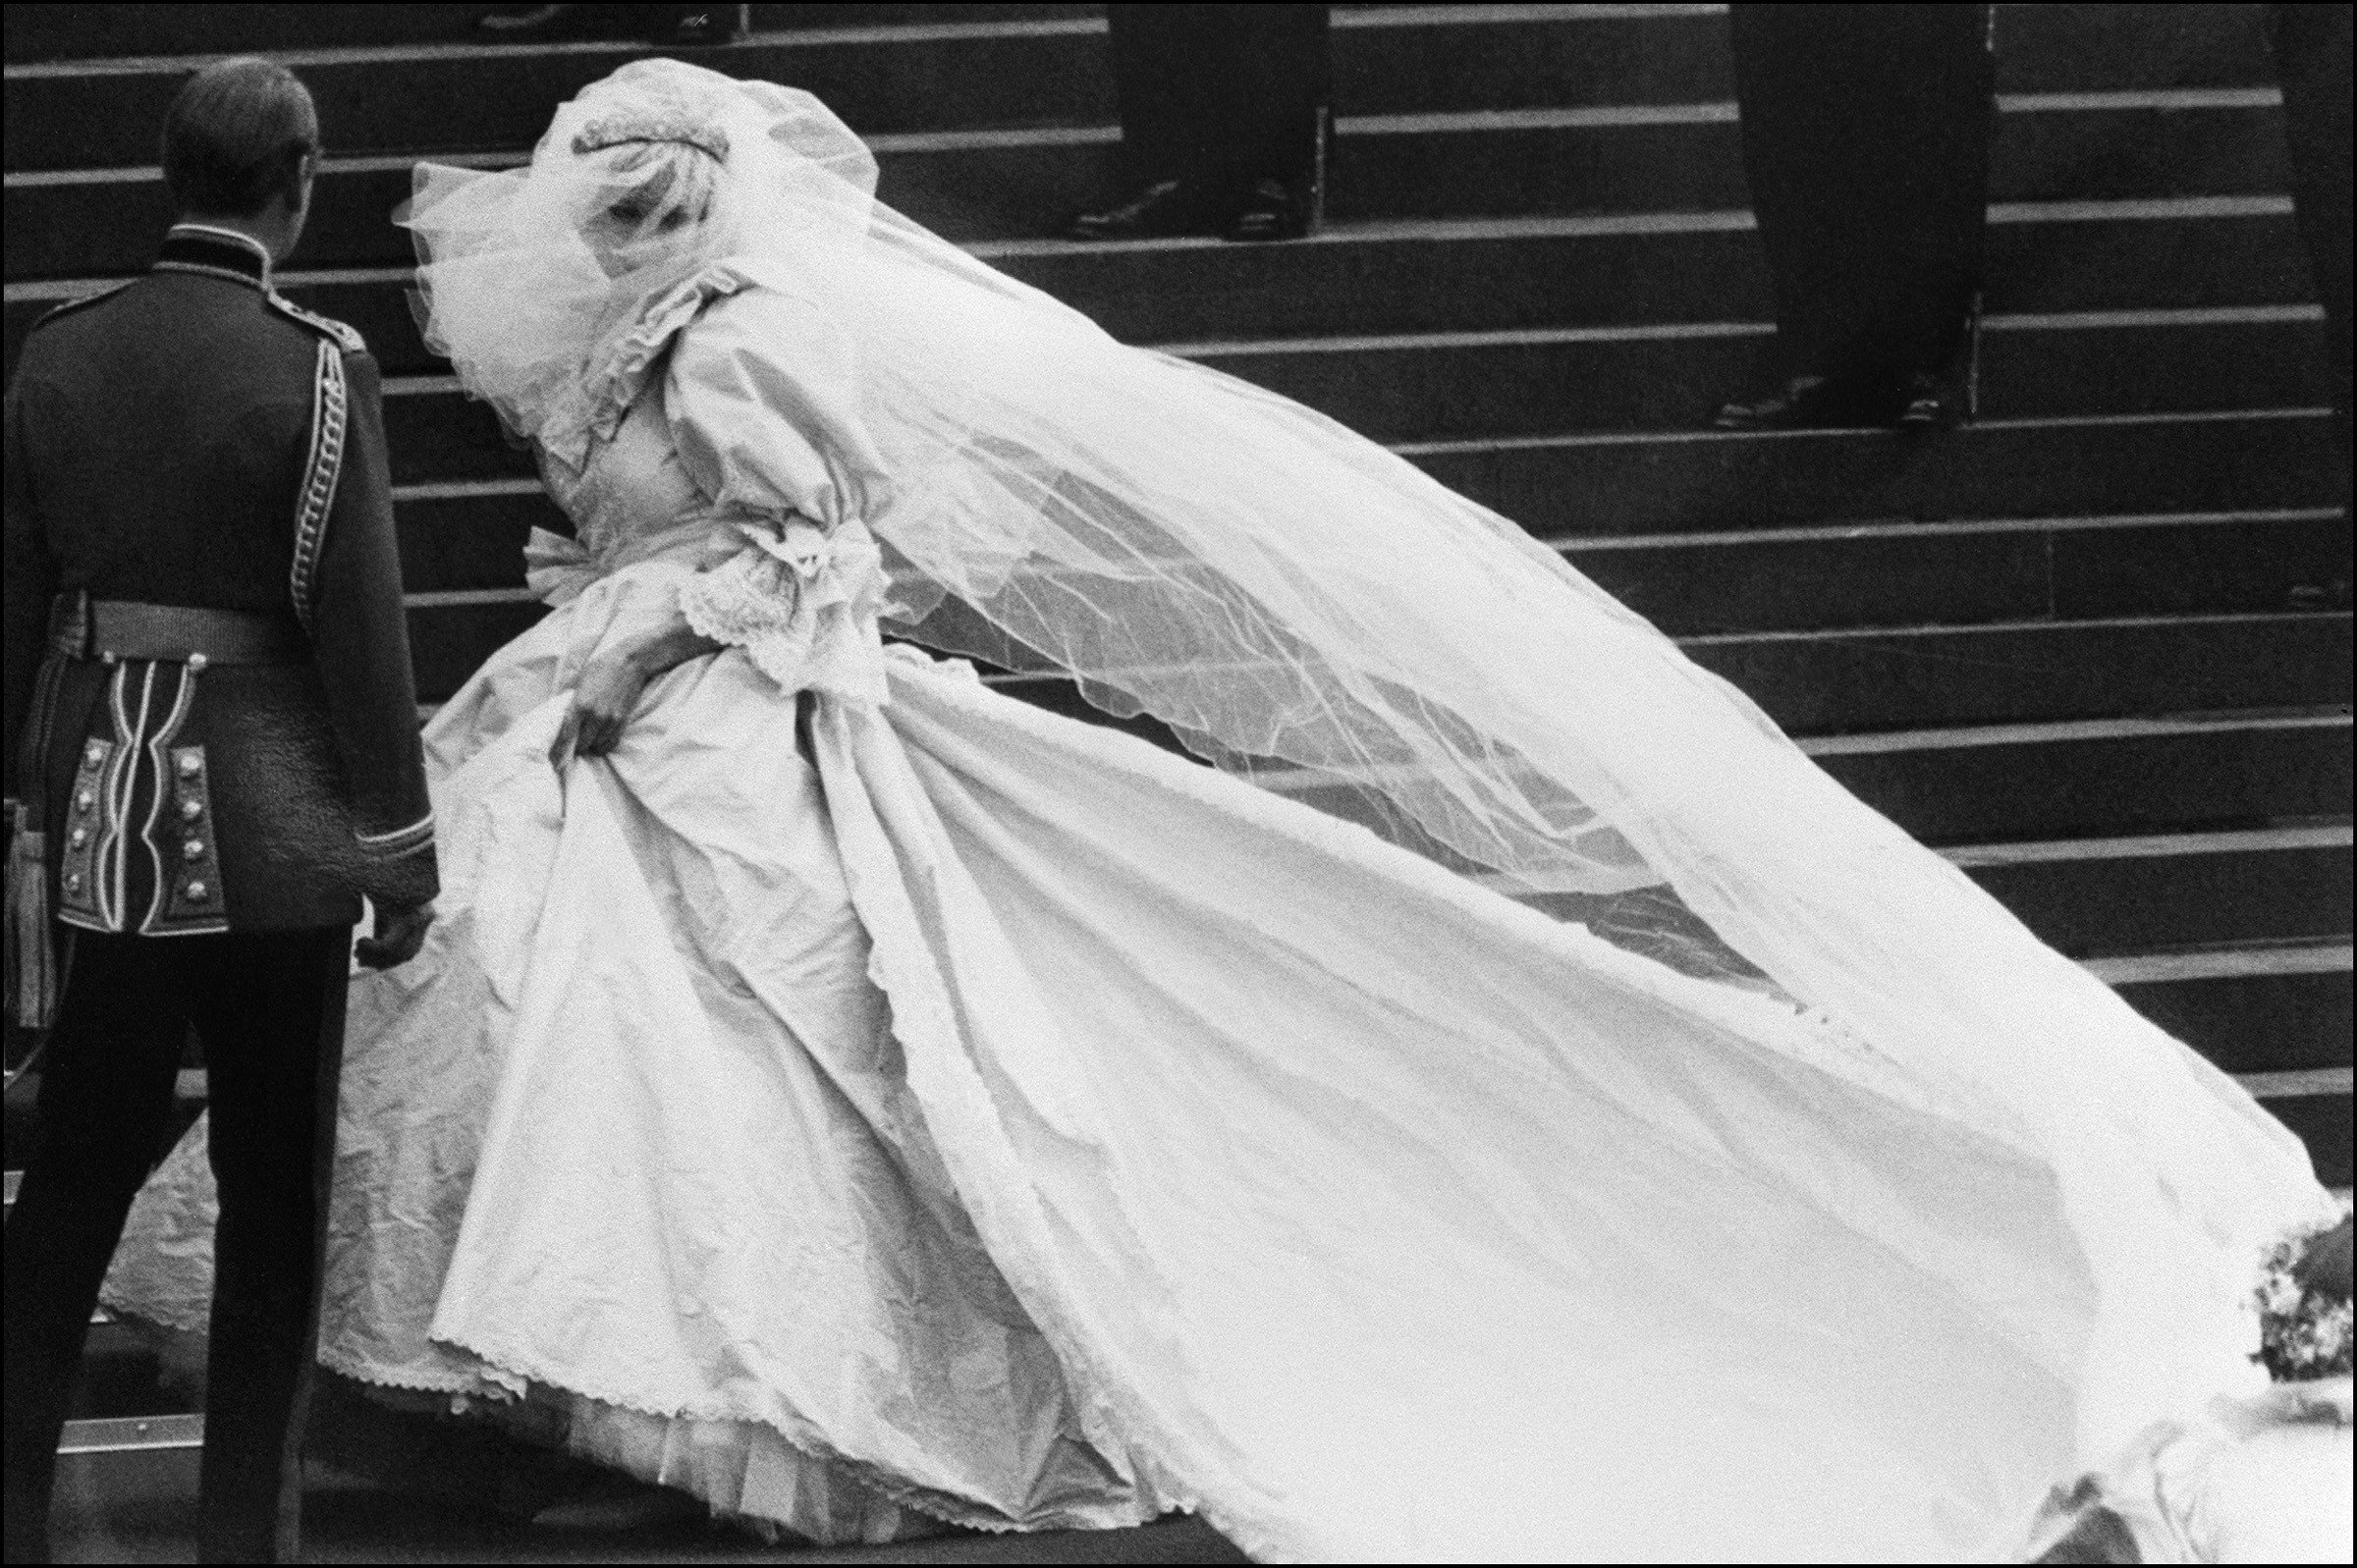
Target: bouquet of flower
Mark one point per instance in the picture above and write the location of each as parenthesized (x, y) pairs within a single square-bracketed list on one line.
[(2303, 1325)]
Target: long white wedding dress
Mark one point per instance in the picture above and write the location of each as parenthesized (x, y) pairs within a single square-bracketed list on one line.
[(901, 1095), (863, 1095)]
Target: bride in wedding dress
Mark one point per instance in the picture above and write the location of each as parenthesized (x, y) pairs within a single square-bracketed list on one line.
[(855, 1096)]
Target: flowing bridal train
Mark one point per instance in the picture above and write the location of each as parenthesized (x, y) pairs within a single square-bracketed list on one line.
[(857, 1094)]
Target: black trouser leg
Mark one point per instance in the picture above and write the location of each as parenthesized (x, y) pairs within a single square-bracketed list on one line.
[(1156, 66), (1866, 143), (2312, 61), (105, 1105), (1281, 71), (1219, 92), (1937, 260), (271, 1014)]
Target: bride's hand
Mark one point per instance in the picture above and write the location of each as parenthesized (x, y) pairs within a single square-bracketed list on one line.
[(602, 704)]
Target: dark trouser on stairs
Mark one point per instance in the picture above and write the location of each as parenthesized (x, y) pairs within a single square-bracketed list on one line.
[(269, 1010)]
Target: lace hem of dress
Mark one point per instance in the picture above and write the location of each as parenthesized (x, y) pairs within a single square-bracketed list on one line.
[(455, 1384), (887, 1487), (722, 1464)]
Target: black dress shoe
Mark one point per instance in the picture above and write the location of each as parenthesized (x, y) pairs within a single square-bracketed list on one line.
[(1814, 403), (684, 26), (1272, 210), (553, 22), (709, 24), (2332, 594), (1163, 208), (531, 22), (1933, 402)]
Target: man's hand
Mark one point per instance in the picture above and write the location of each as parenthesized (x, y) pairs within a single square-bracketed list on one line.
[(602, 704), (399, 933)]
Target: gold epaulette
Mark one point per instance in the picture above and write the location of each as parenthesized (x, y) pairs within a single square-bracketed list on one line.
[(346, 338), (77, 303)]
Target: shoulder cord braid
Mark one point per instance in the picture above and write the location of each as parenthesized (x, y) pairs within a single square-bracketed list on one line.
[(320, 473)]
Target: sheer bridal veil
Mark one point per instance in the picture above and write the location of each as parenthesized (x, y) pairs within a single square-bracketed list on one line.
[(1284, 593)]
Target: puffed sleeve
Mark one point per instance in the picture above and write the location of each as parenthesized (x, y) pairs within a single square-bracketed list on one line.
[(763, 394), (763, 398)]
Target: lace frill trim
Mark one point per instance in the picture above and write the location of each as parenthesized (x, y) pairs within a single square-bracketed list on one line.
[(746, 600), (456, 1385), (934, 1504), (605, 394), (801, 602)]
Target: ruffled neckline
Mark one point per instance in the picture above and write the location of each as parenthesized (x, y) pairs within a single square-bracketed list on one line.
[(607, 391)]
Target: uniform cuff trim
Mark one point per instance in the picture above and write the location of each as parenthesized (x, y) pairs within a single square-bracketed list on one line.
[(418, 835)]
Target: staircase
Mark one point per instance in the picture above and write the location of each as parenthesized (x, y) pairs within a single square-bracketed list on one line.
[(2076, 645)]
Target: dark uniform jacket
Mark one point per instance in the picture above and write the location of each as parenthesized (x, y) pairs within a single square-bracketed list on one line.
[(192, 439)]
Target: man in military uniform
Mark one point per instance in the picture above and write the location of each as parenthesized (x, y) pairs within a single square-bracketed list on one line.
[(215, 736)]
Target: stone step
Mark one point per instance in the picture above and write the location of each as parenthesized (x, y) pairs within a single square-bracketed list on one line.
[(1696, 480), (448, 641), (2083, 779), (1949, 575), (1853, 683), (2099, 778), (447, 96), (1497, 274), (2265, 1014), (2123, 897), (1863, 683), (1836, 682), (2105, 776), (2151, 897), (1442, 386), (1489, 274), (1476, 388), (2323, 1122), (108, 32), (2258, 1015), (1836, 576), (1710, 480), (991, 184)]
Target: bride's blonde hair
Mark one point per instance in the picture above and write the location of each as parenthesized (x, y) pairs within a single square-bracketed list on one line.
[(536, 282), (675, 182)]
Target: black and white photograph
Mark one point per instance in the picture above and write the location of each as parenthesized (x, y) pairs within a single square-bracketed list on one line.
[(1178, 783)]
